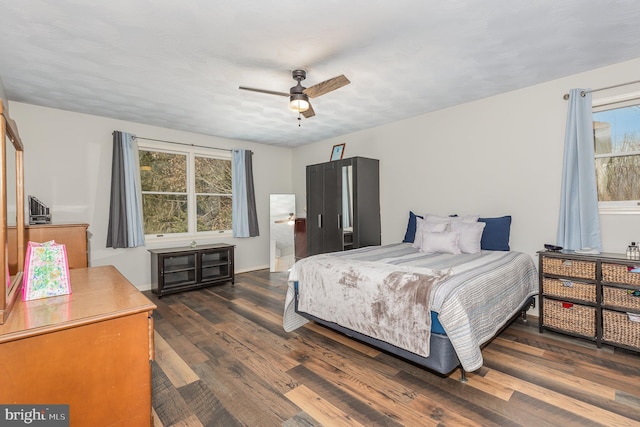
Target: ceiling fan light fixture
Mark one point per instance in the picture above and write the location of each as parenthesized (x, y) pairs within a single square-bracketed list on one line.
[(298, 102)]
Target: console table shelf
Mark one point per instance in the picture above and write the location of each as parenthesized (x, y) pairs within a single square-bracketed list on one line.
[(186, 268)]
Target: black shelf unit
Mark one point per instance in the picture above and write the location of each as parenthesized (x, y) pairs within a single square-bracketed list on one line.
[(185, 268)]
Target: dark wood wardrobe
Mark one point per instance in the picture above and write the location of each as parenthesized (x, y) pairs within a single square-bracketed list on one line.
[(343, 205)]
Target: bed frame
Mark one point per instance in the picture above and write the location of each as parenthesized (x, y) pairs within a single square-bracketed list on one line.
[(442, 356)]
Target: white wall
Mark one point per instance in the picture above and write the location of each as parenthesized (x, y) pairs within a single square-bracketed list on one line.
[(497, 156), (68, 167)]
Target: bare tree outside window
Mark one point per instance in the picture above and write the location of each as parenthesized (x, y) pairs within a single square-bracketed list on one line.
[(168, 196), (617, 149), (213, 193)]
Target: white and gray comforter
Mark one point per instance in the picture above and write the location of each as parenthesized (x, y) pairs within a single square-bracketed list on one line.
[(387, 292)]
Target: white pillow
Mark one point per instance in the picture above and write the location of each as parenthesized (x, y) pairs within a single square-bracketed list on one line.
[(446, 242), (435, 219), (470, 235), (431, 227), (465, 218)]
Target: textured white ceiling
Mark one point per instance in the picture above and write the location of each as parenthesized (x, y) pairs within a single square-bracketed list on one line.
[(178, 64)]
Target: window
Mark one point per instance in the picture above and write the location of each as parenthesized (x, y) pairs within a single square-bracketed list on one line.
[(184, 192), (617, 158)]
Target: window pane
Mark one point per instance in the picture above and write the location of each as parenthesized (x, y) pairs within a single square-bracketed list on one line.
[(214, 213), (165, 213), (617, 130), (213, 176), (165, 172), (617, 178)]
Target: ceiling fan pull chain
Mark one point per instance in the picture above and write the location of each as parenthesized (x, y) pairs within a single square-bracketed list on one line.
[(299, 119)]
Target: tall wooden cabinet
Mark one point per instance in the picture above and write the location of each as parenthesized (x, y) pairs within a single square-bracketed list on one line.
[(343, 205)]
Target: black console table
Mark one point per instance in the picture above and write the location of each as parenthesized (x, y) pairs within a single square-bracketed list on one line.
[(187, 268)]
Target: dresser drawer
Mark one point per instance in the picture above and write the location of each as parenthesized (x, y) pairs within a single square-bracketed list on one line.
[(569, 267), (571, 289), (619, 273), (618, 329), (618, 297)]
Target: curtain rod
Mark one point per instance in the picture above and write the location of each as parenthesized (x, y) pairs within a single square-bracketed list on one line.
[(616, 102), (181, 143), (584, 92)]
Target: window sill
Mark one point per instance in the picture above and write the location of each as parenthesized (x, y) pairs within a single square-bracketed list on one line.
[(153, 240), (619, 210)]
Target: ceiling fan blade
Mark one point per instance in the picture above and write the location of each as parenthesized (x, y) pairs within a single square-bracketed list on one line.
[(309, 112), (326, 86), (270, 92)]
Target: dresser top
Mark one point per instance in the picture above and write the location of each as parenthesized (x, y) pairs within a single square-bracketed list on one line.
[(98, 293), (609, 256), (190, 249)]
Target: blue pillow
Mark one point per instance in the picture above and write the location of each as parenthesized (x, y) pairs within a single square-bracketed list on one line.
[(410, 235), (495, 236)]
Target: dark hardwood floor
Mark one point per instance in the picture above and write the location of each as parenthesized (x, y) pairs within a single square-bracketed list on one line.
[(223, 359)]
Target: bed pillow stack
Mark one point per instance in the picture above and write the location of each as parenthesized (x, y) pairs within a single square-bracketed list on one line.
[(458, 234)]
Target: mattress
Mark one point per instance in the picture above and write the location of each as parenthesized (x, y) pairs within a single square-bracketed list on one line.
[(473, 295)]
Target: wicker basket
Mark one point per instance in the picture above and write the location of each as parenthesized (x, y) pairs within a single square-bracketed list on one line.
[(569, 268), (618, 273), (619, 297), (575, 318), (618, 329), (569, 289)]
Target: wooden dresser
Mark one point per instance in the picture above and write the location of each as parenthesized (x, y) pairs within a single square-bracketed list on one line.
[(91, 350), (595, 297), (300, 238), (73, 236)]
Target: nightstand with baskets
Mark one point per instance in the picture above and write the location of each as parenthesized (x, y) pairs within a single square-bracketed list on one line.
[(595, 297)]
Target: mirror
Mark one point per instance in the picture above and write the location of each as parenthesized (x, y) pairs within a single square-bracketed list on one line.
[(347, 202), (281, 219), (347, 207), (12, 219), (12, 211)]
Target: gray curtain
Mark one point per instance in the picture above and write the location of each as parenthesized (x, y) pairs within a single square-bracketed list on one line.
[(579, 222), (244, 217), (126, 226)]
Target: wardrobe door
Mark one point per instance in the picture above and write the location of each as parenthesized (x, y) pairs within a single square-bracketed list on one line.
[(324, 231), (332, 217), (315, 208), (366, 202)]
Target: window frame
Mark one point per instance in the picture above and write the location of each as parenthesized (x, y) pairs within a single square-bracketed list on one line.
[(191, 152), (625, 207)]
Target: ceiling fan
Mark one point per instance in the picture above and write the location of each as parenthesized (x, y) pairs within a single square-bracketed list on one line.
[(289, 220), (299, 95)]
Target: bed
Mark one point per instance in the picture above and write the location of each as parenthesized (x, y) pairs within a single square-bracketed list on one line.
[(434, 309)]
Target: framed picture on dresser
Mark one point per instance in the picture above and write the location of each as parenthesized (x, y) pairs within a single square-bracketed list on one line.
[(337, 152)]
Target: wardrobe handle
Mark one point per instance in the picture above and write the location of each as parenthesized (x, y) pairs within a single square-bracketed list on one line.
[(319, 220)]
